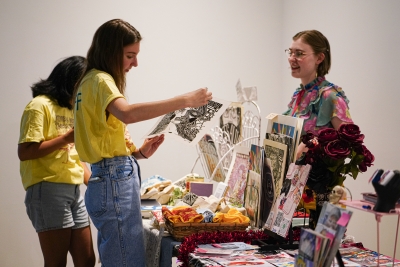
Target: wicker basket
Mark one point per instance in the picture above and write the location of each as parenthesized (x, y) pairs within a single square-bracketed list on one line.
[(181, 230)]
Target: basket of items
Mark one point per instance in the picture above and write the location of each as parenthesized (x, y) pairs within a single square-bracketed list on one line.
[(184, 220)]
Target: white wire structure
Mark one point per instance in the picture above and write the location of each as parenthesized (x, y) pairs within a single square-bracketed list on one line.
[(217, 169)]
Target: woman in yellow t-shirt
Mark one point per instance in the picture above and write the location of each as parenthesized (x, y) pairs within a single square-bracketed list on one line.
[(51, 171), (101, 114)]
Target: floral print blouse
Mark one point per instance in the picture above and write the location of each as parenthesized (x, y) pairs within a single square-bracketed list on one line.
[(317, 103)]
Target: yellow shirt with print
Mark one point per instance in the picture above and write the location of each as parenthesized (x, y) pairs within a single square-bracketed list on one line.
[(97, 135), (42, 120)]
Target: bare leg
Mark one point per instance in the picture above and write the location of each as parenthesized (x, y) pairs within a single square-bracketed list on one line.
[(55, 245), (81, 247)]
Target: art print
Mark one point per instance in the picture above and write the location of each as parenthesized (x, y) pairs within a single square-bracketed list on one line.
[(231, 122), (286, 125), (276, 152), (256, 158), (237, 175), (252, 197), (283, 129), (267, 191), (209, 158), (286, 203), (189, 125)]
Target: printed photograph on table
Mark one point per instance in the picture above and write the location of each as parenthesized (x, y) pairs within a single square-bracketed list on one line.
[(209, 158), (231, 122), (237, 175), (189, 125)]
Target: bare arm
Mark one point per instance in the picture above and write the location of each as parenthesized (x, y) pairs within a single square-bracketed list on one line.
[(86, 173), (33, 150), (131, 113)]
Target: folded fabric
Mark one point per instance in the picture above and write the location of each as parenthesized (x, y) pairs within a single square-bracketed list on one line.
[(182, 215), (232, 216)]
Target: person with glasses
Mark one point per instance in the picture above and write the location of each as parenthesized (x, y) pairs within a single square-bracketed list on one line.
[(319, 102)]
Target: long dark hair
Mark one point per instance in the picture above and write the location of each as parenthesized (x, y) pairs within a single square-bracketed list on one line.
[(61, 83), (106, 51)]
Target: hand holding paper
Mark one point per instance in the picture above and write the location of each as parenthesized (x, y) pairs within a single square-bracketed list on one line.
[(150, 145)]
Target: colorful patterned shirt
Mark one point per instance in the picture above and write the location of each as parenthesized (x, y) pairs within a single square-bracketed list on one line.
[(317, 103)]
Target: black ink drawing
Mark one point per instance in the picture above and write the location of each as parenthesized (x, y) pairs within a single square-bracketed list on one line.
[(231, 122), (190, 124)]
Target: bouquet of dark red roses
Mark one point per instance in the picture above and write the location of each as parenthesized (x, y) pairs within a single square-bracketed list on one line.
[(340, 152)]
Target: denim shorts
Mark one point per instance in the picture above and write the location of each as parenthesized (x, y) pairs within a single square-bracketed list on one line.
[(52, 206), (113, 203)]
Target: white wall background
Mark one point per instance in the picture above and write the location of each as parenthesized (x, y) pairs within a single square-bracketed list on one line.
[(191, 44)]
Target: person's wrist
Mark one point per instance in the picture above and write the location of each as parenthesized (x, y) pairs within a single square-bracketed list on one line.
[(141, 153)]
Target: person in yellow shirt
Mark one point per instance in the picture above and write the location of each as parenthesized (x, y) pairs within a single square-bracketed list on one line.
[(51, 171), (101, 115)]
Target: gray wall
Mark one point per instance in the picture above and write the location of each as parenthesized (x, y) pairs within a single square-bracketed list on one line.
[(188, 45)]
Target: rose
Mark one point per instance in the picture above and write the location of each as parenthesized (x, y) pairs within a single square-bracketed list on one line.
[(327, 135), (368, 158), (337, 149), (351, 133)]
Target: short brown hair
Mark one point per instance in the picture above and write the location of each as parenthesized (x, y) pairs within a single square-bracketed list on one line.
[(106, 51), (319, 43)]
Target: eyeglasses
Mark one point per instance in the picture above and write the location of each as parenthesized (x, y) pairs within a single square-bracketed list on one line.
[(297, 54)]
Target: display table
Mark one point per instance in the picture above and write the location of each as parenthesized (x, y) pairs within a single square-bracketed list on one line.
[(368, 207)]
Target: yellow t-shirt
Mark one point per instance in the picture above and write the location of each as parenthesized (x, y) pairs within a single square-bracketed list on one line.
[(96, 136), (42, 120)]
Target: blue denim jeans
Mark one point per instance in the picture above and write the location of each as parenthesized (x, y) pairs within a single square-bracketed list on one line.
[(113, 203)]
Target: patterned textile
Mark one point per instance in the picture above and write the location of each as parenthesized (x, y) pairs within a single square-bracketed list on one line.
[(317, 103)]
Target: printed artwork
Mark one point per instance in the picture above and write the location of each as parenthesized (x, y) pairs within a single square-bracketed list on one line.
[(276, 152), (267, 191), (190, 124), (281, 214), (231, 122), (283, 129), (237, 175), (252, 198), (209, 158), (288, 126), (256, 158)]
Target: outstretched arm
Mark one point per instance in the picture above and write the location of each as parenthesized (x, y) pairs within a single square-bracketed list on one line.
[(131, 113)]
